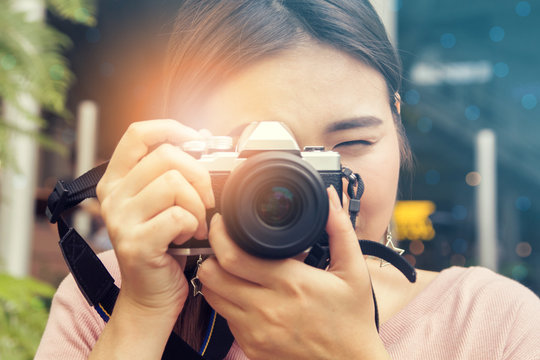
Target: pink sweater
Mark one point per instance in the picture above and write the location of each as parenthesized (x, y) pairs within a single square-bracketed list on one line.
[(465, 313)]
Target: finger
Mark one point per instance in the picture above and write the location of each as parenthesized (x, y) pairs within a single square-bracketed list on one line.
[(172, 225), (170, 189), (265, 272), (345, 251), (142, 136), (168, 157), (237, 291), (230, 311)]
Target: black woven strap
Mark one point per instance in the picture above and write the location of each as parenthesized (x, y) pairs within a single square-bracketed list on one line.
[(67, 195), (94, 280)]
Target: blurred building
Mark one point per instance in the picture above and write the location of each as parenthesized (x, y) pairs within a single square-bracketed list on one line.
[(471, 65)]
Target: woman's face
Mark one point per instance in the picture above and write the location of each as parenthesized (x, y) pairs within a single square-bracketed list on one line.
[(326, 98)]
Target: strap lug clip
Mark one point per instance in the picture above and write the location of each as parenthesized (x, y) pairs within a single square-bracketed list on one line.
[(62, 194)]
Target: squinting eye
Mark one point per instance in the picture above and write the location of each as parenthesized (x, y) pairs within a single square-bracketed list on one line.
[(353, 142)]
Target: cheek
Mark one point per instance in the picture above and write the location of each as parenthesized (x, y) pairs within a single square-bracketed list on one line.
[(380, 172)]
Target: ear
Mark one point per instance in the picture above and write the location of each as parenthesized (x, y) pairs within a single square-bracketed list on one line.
[(397, 103)]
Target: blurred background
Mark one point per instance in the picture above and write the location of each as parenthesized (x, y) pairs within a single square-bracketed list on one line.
[(471, 112)]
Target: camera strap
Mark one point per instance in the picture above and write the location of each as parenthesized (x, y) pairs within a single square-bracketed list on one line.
[(98, 287)]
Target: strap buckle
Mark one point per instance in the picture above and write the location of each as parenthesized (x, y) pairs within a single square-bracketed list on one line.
[(56, 200)]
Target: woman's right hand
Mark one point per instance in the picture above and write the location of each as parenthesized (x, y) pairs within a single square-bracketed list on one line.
[(153, 194)]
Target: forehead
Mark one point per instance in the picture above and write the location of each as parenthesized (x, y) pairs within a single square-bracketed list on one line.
[(308, 88)]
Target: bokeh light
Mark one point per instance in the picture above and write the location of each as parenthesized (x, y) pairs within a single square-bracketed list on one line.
[(457, 260), (496, 34), (460, 246), (523, 249), (424, 124), (459, 212), (433, 177), (448, 40), (472, 112), (523, 203), (412, 97), (445, 248), (410, 258), (473, 178), (416, 247), (519, 272), (529, 101), (501, 69), (523, 8)]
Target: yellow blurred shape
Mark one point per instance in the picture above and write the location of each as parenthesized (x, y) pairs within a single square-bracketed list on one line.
[(412, 220)]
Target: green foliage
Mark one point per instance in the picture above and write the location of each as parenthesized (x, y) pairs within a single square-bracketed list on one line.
[(75, 10), (31, 62), (24, 306)]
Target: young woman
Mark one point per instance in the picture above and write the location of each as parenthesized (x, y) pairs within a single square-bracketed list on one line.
[(325, 69)]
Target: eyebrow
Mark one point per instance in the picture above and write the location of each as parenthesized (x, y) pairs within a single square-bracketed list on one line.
[(340, 125), (353, 123)]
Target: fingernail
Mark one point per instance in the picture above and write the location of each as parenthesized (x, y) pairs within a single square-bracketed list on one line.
[(334, 198), (202, 232), (214, 219)]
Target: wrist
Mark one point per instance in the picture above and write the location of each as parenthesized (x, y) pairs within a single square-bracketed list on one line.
[(145, 311), (126, 333)]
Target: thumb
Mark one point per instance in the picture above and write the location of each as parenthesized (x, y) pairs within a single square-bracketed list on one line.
[(345, 253)]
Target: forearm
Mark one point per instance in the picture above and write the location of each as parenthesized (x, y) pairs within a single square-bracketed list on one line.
[(134, 333)]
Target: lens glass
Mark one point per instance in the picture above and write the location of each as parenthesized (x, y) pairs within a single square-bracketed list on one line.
[(277, 205)]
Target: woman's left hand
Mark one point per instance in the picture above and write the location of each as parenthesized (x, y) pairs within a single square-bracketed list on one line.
[(285, 309)]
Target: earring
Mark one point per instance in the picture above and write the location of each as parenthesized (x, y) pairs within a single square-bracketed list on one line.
[(390, 244), (195, 282)]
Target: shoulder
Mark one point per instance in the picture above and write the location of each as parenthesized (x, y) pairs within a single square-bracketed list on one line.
[(502, 307), (467, 313), (73, 326), (498, 312), (477, 291), (481, 286)]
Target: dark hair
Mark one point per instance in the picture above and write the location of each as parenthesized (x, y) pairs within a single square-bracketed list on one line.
[(213, 39)]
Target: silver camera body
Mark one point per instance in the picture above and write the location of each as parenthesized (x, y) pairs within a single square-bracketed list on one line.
[(272, 195)]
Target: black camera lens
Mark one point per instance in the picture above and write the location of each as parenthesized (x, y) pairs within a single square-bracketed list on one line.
[(277, 205)]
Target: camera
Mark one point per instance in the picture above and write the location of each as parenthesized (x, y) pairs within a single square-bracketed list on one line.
[(272, 195)]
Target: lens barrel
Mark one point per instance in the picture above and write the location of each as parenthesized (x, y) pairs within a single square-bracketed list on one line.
[(274, 205)]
